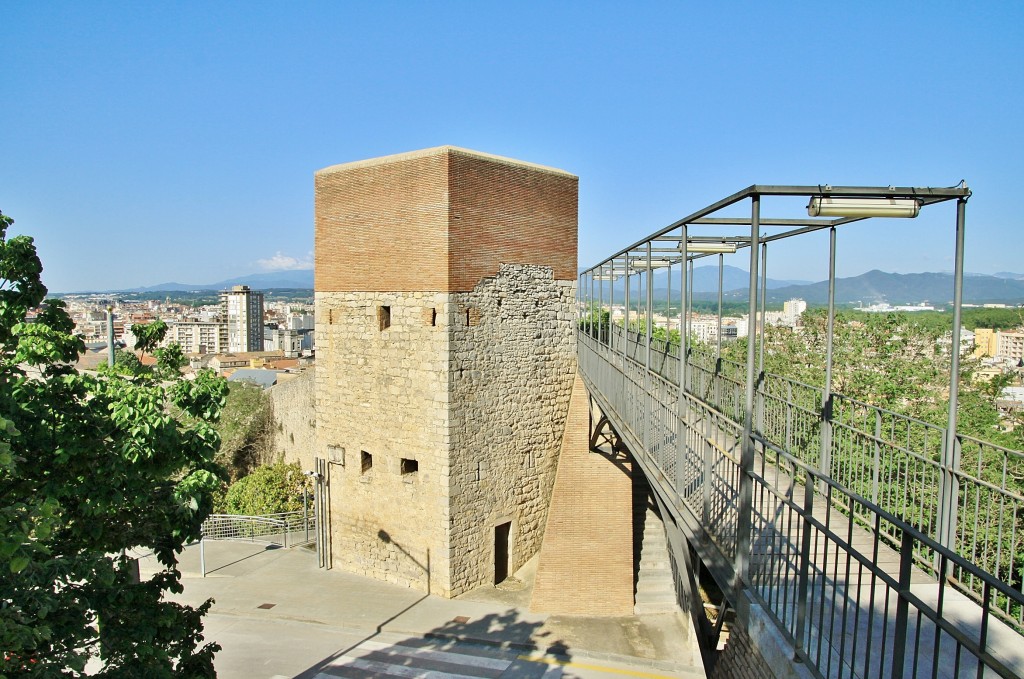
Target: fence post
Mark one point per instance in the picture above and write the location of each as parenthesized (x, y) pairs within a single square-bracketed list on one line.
[(202, 555), (899, 643), (805, 561)]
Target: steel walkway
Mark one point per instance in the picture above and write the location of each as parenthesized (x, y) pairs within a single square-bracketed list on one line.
[(876, 544)]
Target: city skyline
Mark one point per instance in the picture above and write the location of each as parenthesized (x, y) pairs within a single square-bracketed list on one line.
[(145, 144)]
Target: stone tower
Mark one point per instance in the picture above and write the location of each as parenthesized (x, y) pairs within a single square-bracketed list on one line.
[(445, 286)]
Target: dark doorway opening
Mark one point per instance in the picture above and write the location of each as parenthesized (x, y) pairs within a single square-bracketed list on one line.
[(501, 550)]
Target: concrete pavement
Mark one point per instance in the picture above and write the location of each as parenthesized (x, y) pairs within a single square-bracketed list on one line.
[(278, 615)]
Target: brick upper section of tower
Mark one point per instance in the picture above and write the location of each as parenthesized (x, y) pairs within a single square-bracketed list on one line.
[(440, 220)]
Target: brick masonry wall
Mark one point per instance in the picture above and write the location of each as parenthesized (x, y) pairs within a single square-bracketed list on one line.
[(740, 659), (586, 563), (505, 211), (294, 432), (382, 225), (511, 375), (440, 220)]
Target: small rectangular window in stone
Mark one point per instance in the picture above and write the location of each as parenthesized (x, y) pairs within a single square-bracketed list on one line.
[(409, 466), (366, 462), (467, 318), (384, 317), (433, 317)]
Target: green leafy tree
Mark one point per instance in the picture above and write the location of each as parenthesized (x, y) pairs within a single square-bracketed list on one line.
[(91, 466), (148, 336)]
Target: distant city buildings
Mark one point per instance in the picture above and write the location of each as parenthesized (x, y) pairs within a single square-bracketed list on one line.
[(1002, 344), (242, 313), (284, 328)]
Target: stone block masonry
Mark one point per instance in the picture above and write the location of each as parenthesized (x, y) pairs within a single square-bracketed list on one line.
[(445, 286)]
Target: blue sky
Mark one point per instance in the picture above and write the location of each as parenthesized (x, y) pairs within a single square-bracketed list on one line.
[(149, 142)]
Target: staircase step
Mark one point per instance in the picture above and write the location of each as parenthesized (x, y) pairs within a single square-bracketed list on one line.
[(654, 586), (654, 608)]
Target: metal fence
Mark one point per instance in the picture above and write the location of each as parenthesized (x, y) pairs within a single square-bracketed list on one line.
[(284, 529), (891, 459), (859, 589)]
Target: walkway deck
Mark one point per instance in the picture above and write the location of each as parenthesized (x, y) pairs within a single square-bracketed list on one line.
[(848, 600)]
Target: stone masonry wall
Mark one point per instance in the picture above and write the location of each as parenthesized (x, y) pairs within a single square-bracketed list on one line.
[(382, 396), (513, 360), (294, 429)]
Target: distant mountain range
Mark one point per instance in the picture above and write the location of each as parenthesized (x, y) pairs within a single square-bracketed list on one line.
[(302, 279), (868, 288), (931, 288)]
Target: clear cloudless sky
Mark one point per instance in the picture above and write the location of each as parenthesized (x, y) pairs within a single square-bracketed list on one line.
[(145, 142)]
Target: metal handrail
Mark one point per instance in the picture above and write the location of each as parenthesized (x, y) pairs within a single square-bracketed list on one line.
[(785, 577)]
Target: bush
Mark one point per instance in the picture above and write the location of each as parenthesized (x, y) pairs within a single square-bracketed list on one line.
[(270, 489)]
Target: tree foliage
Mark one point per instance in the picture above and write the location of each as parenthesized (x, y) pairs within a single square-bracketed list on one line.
[(91, 466), (245, 429), (270, 489)]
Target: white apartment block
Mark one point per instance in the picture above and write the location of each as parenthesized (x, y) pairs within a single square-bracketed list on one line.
[(1010, 344), (197, 337), (242, 312)]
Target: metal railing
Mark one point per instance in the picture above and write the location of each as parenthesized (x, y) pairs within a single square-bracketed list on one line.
[(859, 589), (892, 459), (284, 529)]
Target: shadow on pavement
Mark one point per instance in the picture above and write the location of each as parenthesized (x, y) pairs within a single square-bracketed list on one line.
[(490, 645)]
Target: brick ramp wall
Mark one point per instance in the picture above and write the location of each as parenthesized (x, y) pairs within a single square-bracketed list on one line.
[(586, 560), (740, 659)]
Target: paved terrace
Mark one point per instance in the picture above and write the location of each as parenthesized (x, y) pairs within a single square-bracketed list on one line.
[(278, 615)]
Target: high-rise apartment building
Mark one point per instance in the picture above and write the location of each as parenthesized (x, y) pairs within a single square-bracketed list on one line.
[(242, 311)]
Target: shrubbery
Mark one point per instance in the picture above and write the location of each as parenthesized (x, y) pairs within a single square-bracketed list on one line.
[(270, 489)]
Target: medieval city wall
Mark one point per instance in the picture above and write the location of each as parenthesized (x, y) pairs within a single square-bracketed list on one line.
[(294, 419)]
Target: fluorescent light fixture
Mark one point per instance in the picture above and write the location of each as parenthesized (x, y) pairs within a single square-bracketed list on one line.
[(606, 277), (712, 248), (640, 263), (825, 206)]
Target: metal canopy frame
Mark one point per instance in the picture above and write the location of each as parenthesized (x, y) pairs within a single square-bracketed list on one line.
[(926, 195), (669, 246)]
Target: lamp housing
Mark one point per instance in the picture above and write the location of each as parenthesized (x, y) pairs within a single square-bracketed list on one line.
[(827, 206), (701, 247)]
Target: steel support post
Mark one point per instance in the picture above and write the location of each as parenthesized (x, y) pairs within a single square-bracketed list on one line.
[(764, 296), (746, 490), (718, 340), (949, 489), (600, 303), (825, 454), (590, 302), (611, 307), (689, 299), (668, 307), (681, 405), (649, 329), (718, 344), (649, 303), (626, 327)]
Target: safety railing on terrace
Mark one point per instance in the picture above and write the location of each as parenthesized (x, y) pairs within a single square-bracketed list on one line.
[(781, 475), (284, 529), (889, 458)]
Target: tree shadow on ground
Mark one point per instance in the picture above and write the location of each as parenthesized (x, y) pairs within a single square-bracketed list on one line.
[(493, 645)]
